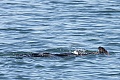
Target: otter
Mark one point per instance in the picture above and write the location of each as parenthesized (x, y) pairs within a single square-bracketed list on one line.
[(101, 50)]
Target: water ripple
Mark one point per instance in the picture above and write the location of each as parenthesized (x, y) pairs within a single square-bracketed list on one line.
[(56, 27)]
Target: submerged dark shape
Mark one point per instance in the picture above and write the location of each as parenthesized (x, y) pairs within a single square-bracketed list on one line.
[(101, 50)]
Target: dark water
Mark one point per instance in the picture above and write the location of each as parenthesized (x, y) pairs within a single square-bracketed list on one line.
[(28, 26)]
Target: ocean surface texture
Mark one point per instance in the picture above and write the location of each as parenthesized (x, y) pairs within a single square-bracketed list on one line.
[(57, 26)]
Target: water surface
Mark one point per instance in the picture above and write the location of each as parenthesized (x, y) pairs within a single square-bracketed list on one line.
[(28, 26)]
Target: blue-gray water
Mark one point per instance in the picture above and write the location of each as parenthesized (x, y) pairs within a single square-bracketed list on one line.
[(28, 26)]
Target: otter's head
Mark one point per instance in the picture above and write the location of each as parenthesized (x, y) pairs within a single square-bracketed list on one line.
[(102, 50)]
